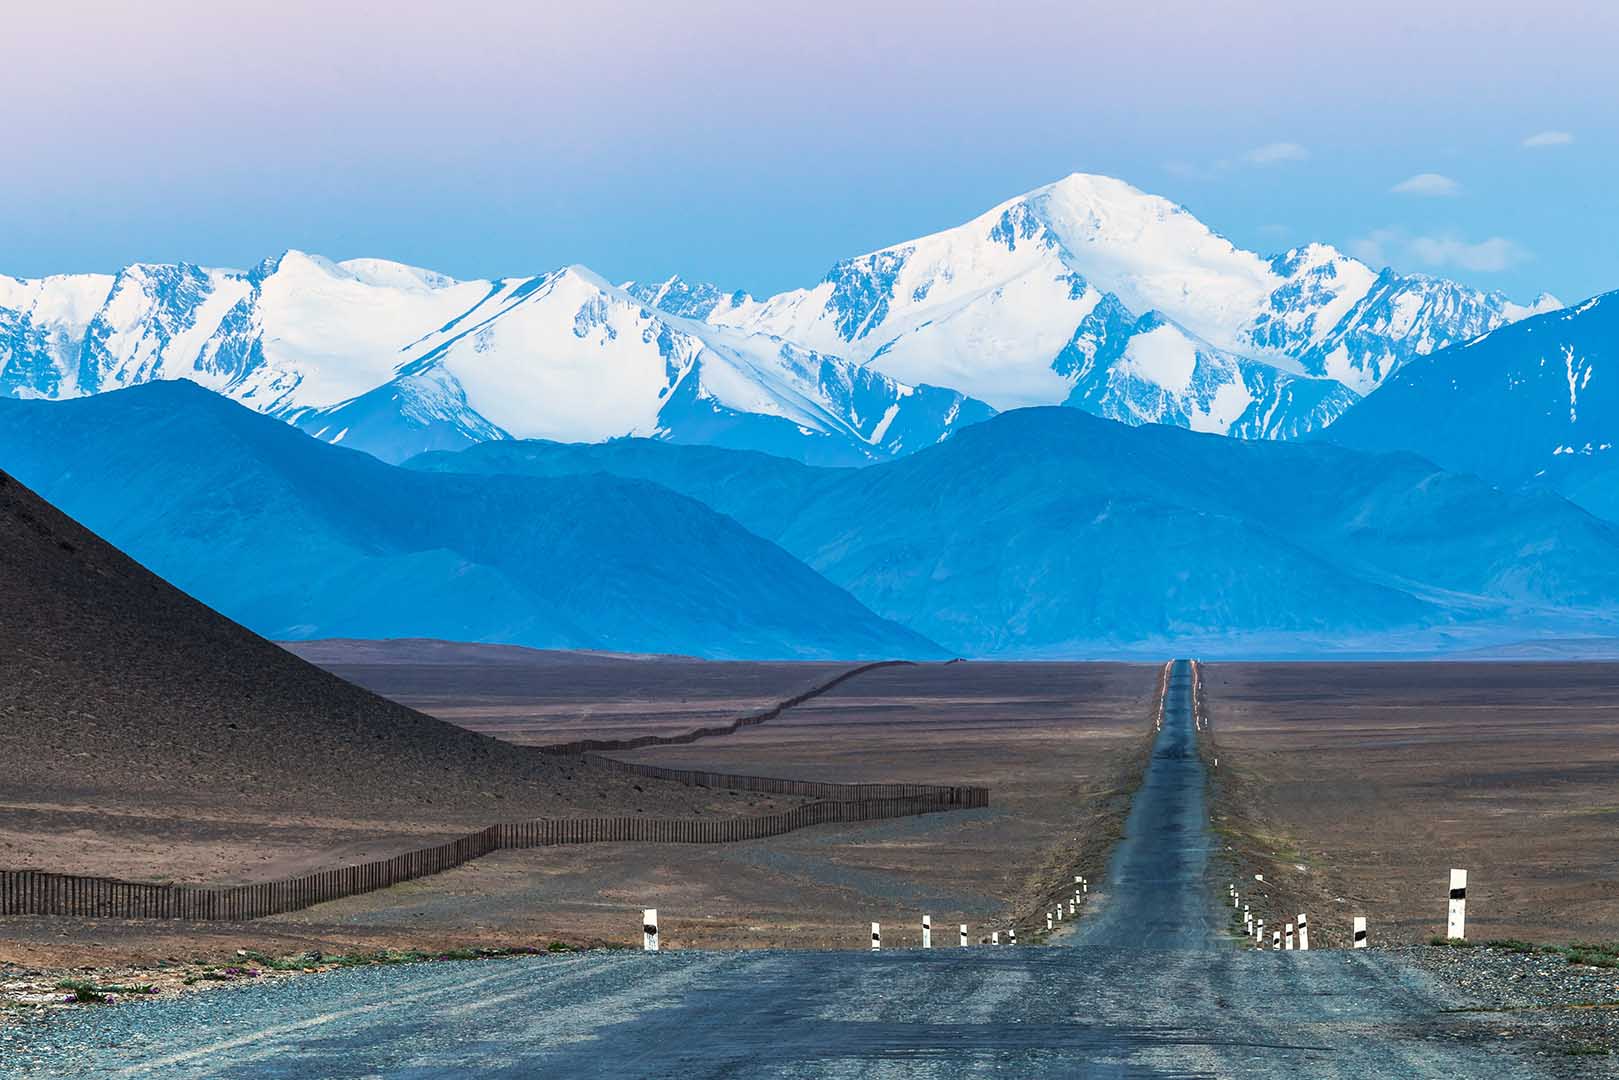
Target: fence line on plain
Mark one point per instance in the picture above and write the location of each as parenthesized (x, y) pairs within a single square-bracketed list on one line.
[(41, 892), (730, 727)]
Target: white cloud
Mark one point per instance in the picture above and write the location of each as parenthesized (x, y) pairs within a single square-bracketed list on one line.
[(1548, 138), (1428, 184), (1496, 253), (1276, 153), (1385, 247)]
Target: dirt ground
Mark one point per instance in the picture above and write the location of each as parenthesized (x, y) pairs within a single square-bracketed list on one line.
[(533, 697), (1060, 746), (1356, 787)]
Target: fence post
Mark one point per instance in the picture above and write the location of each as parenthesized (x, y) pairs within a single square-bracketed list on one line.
[(649, 930), (1457, 924)]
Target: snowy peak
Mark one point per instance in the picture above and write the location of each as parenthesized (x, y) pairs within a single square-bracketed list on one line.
[(1005, 307)]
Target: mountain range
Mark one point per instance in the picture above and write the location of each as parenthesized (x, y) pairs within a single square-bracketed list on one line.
[(1040, 532), (1086, 292), (1048, 532), (295, 538)]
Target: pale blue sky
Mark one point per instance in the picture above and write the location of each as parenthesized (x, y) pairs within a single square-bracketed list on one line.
[(752, 144)]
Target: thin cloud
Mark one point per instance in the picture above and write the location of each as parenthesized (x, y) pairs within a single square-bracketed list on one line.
[(1548, 138), (1428, 184), (1386, 247), (1276, 153), (1489, 256)]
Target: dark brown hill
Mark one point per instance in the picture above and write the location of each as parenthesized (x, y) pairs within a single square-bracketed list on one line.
[(129, 710)]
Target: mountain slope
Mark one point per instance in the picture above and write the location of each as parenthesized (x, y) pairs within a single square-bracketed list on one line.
[(1535, 402), (566, 356), (1048, 532), (296, 539)]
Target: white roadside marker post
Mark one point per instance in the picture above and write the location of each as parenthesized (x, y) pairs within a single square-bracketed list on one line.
[(963, 935), (1457, 924), (1259, 932), (994, 937), (1289, 937), (1304, 933), (876, 936), (1012, 935), (1072, 907), (927, 931), (1049, 923), (1276, 940), (1360, 931), (649, 929)]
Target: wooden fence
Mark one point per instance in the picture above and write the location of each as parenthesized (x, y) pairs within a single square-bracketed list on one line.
[(38, 892), (584, 746)]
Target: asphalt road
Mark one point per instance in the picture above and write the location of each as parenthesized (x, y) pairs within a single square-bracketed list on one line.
[(1147, 986)]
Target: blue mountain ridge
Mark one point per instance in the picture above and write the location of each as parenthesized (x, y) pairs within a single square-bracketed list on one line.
[(298, 539), (1536, 402), (1049, 532)]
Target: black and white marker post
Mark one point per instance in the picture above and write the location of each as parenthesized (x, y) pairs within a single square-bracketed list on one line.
[(1360, 931), (927, 931), (963, 935), (649, 929), (876, 936), (1289, 937), (1304, 932), (1456, 927)]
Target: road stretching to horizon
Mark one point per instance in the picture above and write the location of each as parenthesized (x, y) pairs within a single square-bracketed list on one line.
[(1147, 985)]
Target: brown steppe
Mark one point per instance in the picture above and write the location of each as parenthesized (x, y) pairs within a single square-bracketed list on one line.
[(1059, 745), (1355, 788)]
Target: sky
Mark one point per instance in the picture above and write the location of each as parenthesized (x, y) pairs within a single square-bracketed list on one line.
[(753, 144)]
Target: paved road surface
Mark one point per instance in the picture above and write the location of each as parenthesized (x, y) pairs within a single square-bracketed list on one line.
[(1145, 987)]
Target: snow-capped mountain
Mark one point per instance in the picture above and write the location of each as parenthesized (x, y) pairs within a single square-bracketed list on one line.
[(1008, 308), (1086, 292), (397, 360), (1532, 403)]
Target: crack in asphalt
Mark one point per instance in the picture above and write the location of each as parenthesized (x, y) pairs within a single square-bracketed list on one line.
[(1147, 985)]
